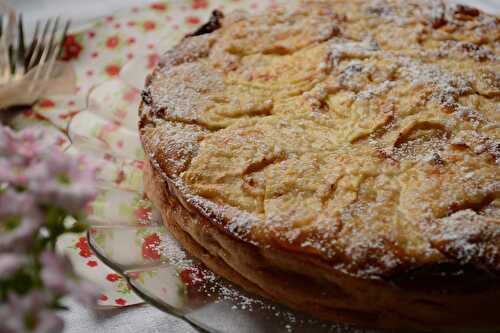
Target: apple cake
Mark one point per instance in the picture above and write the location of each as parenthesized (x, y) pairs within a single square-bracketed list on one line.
[(339, 157)]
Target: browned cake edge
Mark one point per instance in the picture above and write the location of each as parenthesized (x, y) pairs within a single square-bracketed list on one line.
[(308, 285)]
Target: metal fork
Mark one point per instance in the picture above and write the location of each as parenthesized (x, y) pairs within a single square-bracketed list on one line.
[(40, 55)]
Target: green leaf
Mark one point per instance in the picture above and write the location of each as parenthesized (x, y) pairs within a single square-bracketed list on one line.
[(11, 223), (78, 227), (63, 179)]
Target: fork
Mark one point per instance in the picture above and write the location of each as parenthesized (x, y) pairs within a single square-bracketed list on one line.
[(38, 59)]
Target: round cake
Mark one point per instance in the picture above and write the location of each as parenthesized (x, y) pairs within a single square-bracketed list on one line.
[(338, 157)]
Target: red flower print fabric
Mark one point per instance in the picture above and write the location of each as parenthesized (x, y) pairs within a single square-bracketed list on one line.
[(71, 48), (113, 277), (150, 247), (84, 248)]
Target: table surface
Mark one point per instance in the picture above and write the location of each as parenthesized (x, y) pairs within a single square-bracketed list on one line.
[(142, 318), (139, 318)]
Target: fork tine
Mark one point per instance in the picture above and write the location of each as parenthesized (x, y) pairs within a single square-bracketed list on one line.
[(18, 53), (48, 49), (40, 45), (51, 45), (31, 48), (5, 52), (44, 50), (10, 33), (55, 46), (21, 47), (48, 60), (51, 62), (12, 58), (63, 38), (2, 60)]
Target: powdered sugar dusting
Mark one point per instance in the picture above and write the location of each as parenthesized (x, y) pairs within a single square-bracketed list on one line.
[(340, 49), (219, 290), (469, 237), (357, 136)]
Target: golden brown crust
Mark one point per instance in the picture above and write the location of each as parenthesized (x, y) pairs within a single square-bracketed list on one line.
[(355, 139), (306, 285)]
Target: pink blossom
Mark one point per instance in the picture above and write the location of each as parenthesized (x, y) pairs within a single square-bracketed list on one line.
[(49, 322), (11, 173), (21, 147), (35, 177), (58, 277), (21, 220), (10, 263), (64, 181), (20, 151), (54, 271), (28, 161), (29, 313)]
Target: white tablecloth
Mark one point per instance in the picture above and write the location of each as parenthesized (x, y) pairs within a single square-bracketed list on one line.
[(79, 11), (134, 319), (144, 318)]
